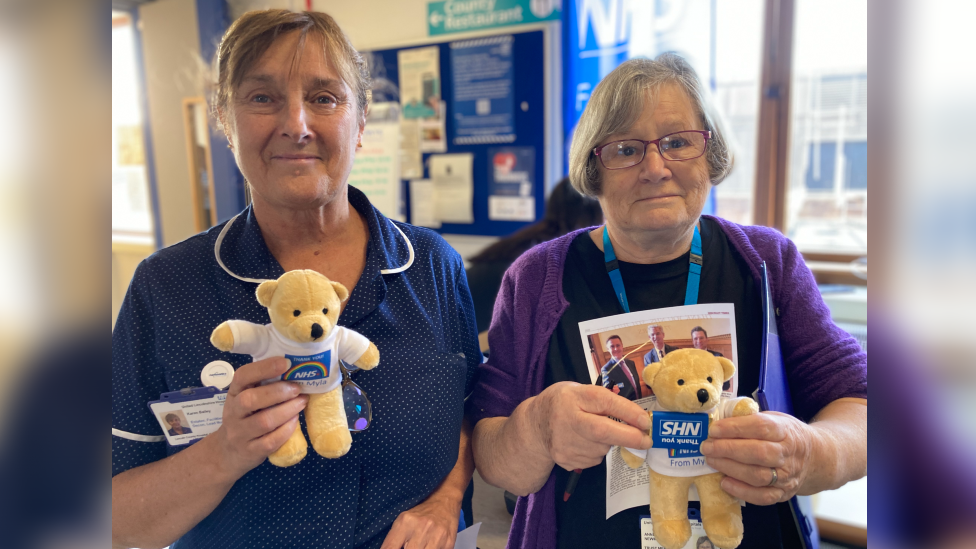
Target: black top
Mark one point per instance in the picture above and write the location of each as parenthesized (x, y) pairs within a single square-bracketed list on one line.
[(725, 278)]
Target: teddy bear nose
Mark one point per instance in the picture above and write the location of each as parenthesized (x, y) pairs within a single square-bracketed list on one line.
[(316, 331), (702, 394)]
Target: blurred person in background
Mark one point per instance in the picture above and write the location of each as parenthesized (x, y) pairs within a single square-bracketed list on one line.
[(292, 96), (566, 210), (649, 150)]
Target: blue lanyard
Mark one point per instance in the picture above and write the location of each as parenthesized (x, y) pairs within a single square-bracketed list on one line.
[(694, 270)]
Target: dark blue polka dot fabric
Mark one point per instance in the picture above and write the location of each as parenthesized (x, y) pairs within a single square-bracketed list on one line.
[(422, 321)]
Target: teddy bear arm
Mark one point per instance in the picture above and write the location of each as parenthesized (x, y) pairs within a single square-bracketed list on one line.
[(745, 407), (223, 337), (370, 359)]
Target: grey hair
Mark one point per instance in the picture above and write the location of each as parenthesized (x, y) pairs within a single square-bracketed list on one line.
[(617, 102)]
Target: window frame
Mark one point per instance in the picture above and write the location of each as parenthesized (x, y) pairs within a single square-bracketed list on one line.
[(773, 141)]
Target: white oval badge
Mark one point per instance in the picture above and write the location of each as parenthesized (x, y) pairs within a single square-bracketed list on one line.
[(218, 373)]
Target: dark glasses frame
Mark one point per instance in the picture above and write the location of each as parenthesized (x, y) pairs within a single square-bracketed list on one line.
[(706, 134)]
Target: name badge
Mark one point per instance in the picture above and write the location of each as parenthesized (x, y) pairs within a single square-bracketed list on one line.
[(188, 415), (680, 434)]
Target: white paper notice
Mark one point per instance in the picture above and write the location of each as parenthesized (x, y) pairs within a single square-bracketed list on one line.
[(422, 204), (511, 208), (628, 487), (452, 177), (410, 160), (376, 170), (468, 538)]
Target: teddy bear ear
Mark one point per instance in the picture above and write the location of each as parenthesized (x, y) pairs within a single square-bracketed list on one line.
[(728, 369), (650, 372), (266, 291), (340, 291)]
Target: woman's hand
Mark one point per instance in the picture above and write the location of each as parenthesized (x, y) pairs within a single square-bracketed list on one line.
[(572, 423), (747, 449), (257, 419), (431, 525)]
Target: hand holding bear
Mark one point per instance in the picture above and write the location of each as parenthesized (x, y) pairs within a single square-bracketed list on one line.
[(572, 423), (258, 419), (747, 448)]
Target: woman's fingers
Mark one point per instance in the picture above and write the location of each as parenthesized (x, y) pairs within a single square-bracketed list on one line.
[(604, 403), (746, 451), (264, 396), (250, 375), (270, 419), (611, 433), (763, 426), (267, 444), (751, 494), (755, 475)]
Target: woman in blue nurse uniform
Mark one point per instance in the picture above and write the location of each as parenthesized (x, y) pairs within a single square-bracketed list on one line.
[(292, 96)]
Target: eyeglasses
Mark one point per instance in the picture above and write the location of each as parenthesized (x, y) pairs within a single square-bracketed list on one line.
[(359, 411), (679, 146)]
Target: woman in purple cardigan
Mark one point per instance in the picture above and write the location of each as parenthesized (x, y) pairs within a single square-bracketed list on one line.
[(647, 148)]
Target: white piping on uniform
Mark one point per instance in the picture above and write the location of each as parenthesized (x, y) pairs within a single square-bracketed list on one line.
[(223, 233), (135, 437), (409, 260), (220, 240)]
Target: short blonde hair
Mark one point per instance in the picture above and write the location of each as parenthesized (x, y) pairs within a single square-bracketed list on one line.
[(252, 34), (616, 104)]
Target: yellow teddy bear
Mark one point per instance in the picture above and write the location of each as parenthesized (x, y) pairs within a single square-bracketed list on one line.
[(304, 308), (688, 381)]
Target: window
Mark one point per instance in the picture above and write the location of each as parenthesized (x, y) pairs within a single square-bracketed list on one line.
[(131, 219), (826, 199)]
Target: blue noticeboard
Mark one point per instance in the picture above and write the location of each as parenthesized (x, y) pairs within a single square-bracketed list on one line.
[(527, 113)]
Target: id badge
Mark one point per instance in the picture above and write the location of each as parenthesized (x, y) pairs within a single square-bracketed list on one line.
[(698, 539), (188, 415), (681, 434)]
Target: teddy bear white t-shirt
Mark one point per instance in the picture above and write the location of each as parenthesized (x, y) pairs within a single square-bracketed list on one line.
[(661, 462), (314, 365)]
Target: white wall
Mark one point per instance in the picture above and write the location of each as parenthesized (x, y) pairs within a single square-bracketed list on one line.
[(373, 24)]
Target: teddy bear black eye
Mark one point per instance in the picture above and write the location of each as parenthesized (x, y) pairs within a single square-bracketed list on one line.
[(681, 382), (296, 312), (709, 379), (325, 311)]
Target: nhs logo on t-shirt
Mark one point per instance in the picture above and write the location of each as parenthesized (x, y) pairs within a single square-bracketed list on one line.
[(306, 368), (680, 434)]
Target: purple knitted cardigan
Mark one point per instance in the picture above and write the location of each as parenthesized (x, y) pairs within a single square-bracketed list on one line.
[(823, 362)]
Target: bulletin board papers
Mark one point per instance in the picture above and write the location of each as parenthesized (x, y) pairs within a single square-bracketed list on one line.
[(484, 103), (454, 187), (423, 200), (376, 169), (511, 189), (420, 82)]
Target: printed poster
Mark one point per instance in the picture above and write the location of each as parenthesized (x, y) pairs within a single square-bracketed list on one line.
[(484, 102), (511, 184)]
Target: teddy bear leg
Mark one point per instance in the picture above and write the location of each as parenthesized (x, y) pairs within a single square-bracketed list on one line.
[(325, 418), (630, 459), (292, 451), (669, 510), (720, 512)]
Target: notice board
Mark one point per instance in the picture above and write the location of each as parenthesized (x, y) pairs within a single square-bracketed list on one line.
[(495, 111)]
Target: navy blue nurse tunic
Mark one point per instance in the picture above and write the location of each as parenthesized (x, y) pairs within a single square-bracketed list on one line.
[(422, 321)]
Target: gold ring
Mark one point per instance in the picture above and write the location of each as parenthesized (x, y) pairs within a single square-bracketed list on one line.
[(775, 477)]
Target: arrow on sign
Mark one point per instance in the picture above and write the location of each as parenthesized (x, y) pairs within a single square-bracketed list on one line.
[(436, 18)]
